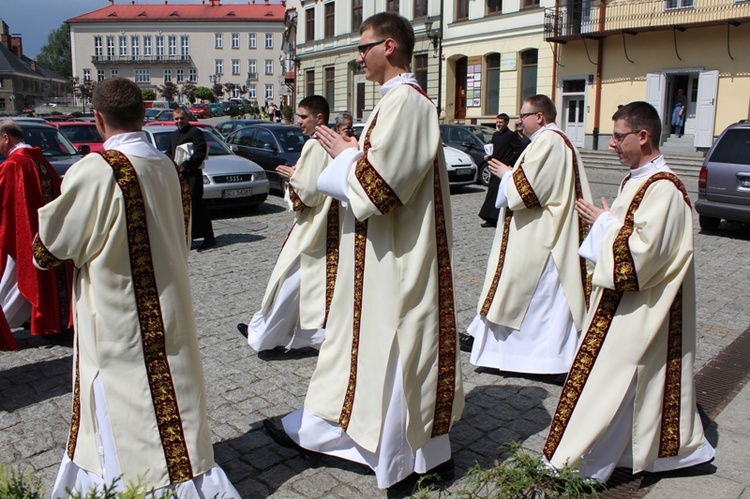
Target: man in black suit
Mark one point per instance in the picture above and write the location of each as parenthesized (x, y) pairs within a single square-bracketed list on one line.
[(506, 147), (191, 169)]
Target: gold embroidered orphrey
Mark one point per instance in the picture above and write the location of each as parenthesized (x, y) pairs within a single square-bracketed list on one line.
[(160, 381), (669, 441)]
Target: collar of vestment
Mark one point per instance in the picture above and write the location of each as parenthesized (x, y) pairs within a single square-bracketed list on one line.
[(549, 126), (652, 166), (402, 79), (20, 145), (133, 143)]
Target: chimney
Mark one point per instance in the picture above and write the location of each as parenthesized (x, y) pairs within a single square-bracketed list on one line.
[(33, 66), (215, 3), (111, 3)]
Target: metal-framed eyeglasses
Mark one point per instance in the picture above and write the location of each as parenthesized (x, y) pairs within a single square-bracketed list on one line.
[(521, 116), (619, 137)]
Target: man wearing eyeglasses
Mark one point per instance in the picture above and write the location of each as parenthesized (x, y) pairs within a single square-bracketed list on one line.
[(387, 387), (533, 301), (629, 399)]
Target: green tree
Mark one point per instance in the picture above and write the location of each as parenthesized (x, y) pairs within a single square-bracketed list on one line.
[(204, 93), (188, 90), (55, 55), (218, 90), (148, 94), (169, 90)]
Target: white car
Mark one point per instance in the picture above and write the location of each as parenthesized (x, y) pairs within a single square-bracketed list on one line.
[(228, 179)]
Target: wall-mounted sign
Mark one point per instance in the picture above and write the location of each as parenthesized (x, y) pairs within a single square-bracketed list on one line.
[(508, 62)]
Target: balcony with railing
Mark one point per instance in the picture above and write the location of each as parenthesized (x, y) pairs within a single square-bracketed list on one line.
[(589, 18), (140, 59)]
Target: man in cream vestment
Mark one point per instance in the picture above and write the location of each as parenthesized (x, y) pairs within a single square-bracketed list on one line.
[(139, 402), (295, 306), (534, 296), (387, 387), (629, 399)]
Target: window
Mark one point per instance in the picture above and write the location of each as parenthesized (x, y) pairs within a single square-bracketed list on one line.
[(252, 67), (420, 70), (356, 15), (99, 75), (159, 47), (492, 84), (678, 4), (494, 7), (110, 47), (252, 92), (235, 40), (235, 66), (420, 8), (86, 75), (114, 73), (462, 10), (269, 66), (309, 82), (193, 74), (310, 24), (98, 49), (330, 19), (251, 41), (530, 3), (135, 47), (123, 46), (167, 75), (269, 91), (172, 41), (529, 60), (147, 49), (269, 40), (391, 5), (2, 104), (330, 84), (218, 40), (142, 75), (180, 75), (185, 46), (219, 66)]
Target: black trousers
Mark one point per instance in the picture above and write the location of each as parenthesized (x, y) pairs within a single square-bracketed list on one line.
[(488, 212), (202, 227)]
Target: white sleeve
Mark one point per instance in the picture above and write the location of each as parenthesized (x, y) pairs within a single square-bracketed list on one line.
[(502, 191), (592, 245), (333, 180)]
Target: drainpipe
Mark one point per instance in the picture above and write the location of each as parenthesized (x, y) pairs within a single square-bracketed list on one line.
[(554, 54), (440, 61), (598, 89)]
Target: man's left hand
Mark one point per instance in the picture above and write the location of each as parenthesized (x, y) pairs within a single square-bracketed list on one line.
[(285, 171), (332, 142), (498, 168), (589, 212)]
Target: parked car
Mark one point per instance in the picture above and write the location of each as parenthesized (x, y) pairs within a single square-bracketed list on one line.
[(228, 179), (724, 180), (463, 139), (51, 118), (206, 127), (269, 145), (485, 133), (216, 109), (81, 133), (58, 150), (229, 126), (201, 110), (152, 113), (227, 106), (168, 115)]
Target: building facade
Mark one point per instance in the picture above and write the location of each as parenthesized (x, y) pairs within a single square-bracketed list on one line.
[(614, 53), (475, 59), (237, 46)]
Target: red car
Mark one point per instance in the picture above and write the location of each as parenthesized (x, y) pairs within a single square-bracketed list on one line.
[(201, 110), (81, 133)]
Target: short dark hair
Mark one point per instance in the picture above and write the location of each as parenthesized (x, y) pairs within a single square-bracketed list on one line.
[(12, 128), (316, 104), (392, 25), (543, 104), (640, 115), (120, 102), (503, 116)]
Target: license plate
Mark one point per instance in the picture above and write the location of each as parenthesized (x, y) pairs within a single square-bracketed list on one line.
[(236, 193), (463, 171), (745, 182)]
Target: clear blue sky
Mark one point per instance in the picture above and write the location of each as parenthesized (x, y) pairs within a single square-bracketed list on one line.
[(34, 19)]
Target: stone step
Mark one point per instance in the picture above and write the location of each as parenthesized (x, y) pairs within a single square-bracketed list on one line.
[(684, 165)]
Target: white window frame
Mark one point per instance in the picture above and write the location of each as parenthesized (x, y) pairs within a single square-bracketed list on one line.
[(235, 40), (269, 66), (167, 75), (269, 40), (135, 46), (219, 66), (172, 45), (122, 43), (114, 73), (269, 91), (184, 46), (160, 46), (252, 91), (235, 66), (192, 74), (100, 75), (218, 40), (252, 41), (180, 75), (252, 66), (110, 47), (142, 75), (98, 48), (86, 75), (148, 48)]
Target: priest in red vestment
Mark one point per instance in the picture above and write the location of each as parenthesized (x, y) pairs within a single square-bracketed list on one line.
[(27, 294)]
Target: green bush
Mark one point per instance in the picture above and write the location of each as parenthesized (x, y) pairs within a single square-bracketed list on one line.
[(76, 114), (17, 485)]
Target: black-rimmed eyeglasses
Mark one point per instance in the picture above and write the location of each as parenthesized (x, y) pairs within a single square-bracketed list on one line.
[(619, 137), (365, 47)]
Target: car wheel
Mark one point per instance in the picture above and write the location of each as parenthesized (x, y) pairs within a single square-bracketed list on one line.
[(708, 223), (485, 174)]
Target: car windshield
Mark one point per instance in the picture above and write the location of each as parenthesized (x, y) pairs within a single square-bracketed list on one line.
[(81, 133), (291, 139), (733, 148), (216, 146), (50, 141), (152, 112)]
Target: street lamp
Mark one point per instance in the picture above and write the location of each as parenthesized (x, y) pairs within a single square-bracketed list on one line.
[(433, 35)]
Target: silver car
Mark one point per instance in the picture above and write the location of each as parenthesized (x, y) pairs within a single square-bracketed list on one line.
[(228, 179), (724, 181)]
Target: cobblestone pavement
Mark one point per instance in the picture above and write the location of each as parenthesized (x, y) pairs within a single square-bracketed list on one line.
[(244, 388)]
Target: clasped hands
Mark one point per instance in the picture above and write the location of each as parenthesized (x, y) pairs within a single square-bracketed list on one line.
[(333, 142)]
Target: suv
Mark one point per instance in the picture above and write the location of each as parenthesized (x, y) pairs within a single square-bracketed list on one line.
[(724, 181)]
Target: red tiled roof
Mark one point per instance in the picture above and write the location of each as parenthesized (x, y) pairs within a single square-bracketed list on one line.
[(180, 12)]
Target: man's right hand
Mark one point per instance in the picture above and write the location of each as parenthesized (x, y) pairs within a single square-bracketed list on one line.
[(333, 142)]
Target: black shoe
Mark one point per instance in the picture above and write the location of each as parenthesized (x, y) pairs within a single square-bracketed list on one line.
[(489, 224), (242, 328), (208, 242), (275, 430), (465, 341)]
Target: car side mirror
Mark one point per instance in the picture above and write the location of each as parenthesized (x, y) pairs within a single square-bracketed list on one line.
[(467, 144), (234, 148), (270, 147), (84, 149)]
